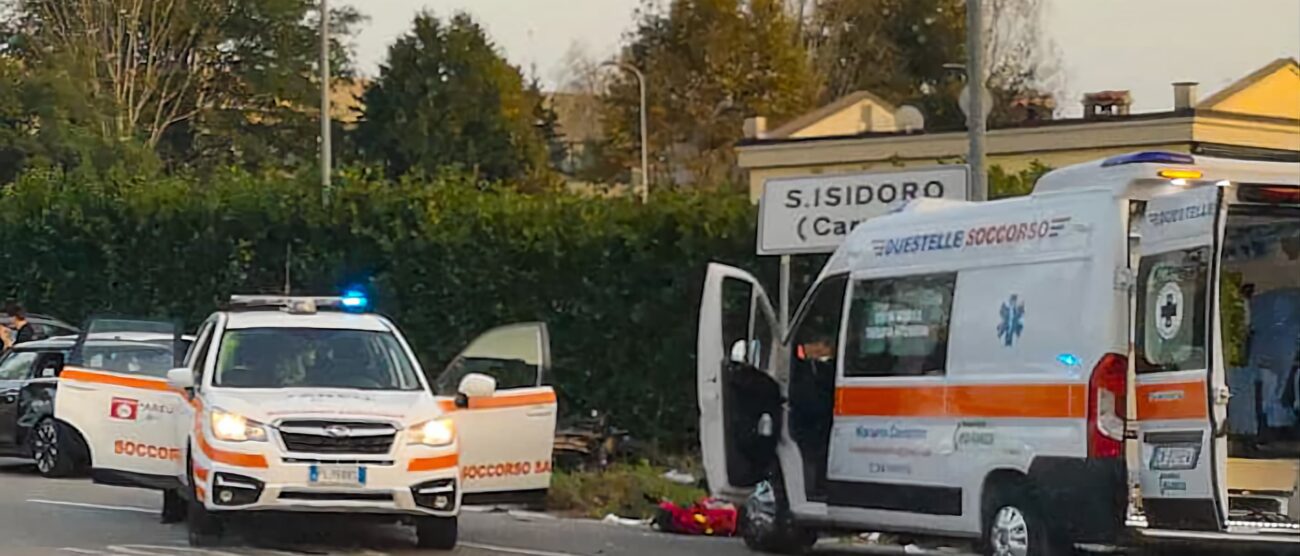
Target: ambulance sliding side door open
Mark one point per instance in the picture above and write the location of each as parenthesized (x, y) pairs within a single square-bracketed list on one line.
[(1178, 360), (113, 390), (506, 436), (740, 399)]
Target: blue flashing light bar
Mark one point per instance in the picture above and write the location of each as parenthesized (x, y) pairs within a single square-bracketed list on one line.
[(1154, 157), (354, 300)]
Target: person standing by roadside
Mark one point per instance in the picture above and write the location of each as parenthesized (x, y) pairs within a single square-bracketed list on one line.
[(19, 330)]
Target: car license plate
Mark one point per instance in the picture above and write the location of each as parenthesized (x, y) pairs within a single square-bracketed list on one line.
[(337, 475), (1169, 458)]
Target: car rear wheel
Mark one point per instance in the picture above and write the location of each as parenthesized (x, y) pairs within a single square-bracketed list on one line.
[(51, 447), (438, 533)]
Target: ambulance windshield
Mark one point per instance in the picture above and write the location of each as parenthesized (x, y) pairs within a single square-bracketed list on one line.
[(313, 358)]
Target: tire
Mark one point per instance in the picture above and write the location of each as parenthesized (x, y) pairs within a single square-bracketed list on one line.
[(438, 533), (767, 524), (1015, 526), (53, 449), (204, 528)]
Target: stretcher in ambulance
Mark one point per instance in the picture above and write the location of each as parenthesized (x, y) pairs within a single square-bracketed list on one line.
[(316, 405), (1014, 372)]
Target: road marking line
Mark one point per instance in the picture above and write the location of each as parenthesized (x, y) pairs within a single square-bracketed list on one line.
[(509, 550), (93, 506), (82, 551)]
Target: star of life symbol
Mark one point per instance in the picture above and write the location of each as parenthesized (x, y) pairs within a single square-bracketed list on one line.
[(1013, 320), (1169, 310)]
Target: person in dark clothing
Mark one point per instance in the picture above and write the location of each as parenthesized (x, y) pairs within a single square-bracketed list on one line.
[(20, 330)]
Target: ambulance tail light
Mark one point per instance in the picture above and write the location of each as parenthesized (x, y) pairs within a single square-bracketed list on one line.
[(1107, 405)]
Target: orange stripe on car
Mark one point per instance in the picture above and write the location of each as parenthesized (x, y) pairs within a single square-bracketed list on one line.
[(966, 400), (500, 400), (200, 472), (83, 375), (201, 493), (1174, 400), (433, 464), (255, 461)]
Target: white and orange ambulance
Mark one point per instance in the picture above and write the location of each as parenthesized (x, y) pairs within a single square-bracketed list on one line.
[(989, 371), (313, 404)]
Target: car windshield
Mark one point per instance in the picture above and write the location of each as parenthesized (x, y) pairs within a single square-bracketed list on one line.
[(313, 358)]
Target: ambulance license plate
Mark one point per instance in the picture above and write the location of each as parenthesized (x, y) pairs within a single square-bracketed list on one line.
[(1175, 457), (337, 475)]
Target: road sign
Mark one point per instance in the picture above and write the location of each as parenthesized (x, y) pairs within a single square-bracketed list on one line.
[(813, 214)]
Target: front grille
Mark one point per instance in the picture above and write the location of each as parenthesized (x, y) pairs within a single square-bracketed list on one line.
[(337, 437)]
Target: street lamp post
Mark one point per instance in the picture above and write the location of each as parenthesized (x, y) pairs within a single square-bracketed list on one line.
[(325, 150), (645, 144), (975, 119)]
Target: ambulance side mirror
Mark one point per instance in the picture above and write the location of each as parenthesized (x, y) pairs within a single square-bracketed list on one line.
[(181, 378), (475, 385)]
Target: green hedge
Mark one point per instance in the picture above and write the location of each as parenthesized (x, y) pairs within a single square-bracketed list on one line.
[(618, 282)]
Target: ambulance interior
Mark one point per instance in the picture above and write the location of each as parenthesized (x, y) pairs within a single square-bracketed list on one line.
[(1260, 326)]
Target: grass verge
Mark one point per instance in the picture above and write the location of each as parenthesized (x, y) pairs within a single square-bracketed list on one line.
[(622, 489)]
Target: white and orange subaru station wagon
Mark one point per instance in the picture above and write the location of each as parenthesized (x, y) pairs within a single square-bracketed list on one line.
[(314, 404)]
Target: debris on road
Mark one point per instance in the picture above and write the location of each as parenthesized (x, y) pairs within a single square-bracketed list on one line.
[(709, 516), (680, 477)]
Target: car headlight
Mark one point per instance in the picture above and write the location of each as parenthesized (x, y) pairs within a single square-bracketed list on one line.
[(438, 432), (230, 427)]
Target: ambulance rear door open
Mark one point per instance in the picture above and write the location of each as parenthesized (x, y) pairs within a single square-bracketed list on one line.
[(1178, 361), (113, 390), (741, 402)]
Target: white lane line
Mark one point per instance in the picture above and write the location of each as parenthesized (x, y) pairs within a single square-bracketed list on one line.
[(93, 506), (508, 550)]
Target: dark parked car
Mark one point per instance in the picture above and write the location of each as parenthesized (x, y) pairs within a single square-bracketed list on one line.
[(29, 379), (45, 326)]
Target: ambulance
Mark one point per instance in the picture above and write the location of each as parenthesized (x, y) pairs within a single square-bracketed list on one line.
[(314, 404), (1114, 358)]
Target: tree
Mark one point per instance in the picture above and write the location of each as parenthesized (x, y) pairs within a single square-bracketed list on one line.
[(898, 50), (447, 98), (185, 78), (708, 64)]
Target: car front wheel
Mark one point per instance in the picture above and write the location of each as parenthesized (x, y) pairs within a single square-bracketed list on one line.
[(438, 533)]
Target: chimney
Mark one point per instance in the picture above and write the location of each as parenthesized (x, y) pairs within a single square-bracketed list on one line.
[(1185, 95), (755, 127), (1106, 104)]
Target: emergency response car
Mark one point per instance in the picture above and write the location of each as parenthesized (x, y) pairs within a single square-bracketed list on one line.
[(986, 370), (306, 404)]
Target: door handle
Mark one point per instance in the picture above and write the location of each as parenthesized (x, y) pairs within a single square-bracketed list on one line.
[(541, 412), (9, 397)]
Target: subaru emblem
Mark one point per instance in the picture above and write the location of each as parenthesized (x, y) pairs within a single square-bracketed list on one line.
[(337, 431)]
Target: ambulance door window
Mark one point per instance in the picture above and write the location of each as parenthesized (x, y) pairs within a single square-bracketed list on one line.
[(899, 326), (1171, 307), (812, 380)]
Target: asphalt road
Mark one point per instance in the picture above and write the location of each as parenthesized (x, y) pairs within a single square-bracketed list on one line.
[(72, 516)]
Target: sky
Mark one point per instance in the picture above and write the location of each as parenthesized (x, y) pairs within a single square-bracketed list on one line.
[(1139, 45)]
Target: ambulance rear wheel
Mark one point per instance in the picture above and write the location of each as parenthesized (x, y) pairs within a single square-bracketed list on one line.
[(1014, 526), (438, 533), (767, 524)]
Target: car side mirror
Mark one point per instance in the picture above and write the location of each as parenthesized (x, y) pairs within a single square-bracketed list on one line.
[(475, 385), (739, 352), (181, 378)]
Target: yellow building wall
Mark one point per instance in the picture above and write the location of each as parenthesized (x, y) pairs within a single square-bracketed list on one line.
[(1276, 95)]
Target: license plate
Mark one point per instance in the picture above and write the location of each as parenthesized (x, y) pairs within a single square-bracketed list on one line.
[(337, 475), (1169, 458)]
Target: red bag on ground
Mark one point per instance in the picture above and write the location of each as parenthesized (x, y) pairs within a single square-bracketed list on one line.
[(709, 516)]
